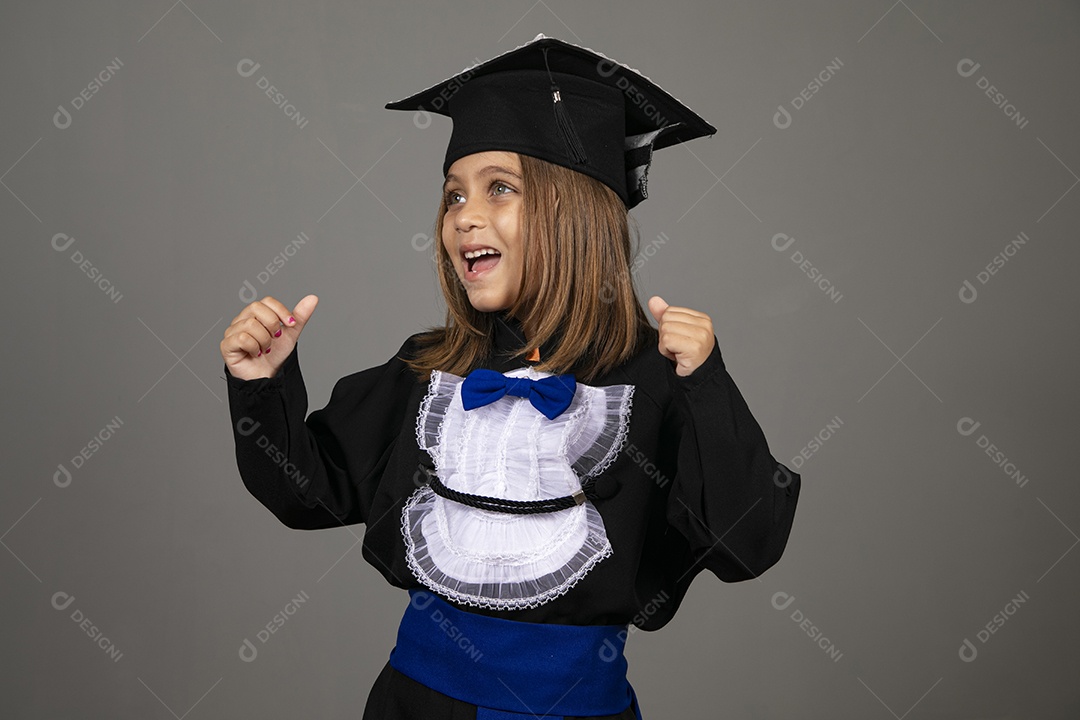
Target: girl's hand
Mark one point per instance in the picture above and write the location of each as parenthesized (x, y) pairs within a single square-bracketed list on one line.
[(257, 330), (686, 336)]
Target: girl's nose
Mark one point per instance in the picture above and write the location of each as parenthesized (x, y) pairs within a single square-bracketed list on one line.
[(470, 215)]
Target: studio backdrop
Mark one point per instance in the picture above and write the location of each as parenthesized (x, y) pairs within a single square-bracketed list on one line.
[(883, 231)]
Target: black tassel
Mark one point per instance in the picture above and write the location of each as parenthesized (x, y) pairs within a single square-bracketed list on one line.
[(563, 122), (566, 127)]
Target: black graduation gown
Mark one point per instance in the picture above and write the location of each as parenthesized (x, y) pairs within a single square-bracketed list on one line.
[(695, 487)]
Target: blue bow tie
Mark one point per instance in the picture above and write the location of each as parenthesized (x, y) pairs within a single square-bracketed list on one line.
[(550, 395)]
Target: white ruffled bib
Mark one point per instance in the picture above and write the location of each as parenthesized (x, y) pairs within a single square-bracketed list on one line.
[(508, 449)]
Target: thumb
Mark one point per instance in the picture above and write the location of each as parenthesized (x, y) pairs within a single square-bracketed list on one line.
[(657, 306), (304, 310)]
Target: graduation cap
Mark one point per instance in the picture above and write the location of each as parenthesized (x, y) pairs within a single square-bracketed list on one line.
[(566, 104)]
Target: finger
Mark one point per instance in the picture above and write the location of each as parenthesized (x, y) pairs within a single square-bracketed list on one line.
[(280, 312), (255, 311), (254, 347), (304, 310), (685, 312), (692, 326), (245, 342), (684, 343), (268, 317), (687, 340), (657, 306), (254, 328)]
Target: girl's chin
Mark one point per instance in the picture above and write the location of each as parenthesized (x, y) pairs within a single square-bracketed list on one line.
[(484, 304)]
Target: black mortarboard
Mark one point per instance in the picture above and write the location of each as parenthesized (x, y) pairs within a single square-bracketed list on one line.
[(565, 104)]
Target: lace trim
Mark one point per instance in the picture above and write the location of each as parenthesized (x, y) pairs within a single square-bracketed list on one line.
[(483, 587), (441, 391), (602, 450)]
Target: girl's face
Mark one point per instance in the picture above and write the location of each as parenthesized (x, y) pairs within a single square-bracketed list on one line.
[(483, 213)]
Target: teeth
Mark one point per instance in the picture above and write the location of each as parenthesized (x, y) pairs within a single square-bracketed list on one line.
[(478, 253)]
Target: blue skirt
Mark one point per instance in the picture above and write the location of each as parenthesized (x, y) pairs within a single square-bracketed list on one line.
[(449, 664)]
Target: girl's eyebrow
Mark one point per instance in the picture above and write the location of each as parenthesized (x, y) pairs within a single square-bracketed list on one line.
[(489, 170)]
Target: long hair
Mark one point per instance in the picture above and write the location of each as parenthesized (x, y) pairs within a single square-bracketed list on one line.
[(576, 283)]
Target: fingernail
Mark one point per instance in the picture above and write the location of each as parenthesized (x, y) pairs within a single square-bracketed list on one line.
[(278, 333), (260, 353), (267, 351), (292, 320)]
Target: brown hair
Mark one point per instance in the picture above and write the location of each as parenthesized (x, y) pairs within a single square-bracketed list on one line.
[(576, 283)]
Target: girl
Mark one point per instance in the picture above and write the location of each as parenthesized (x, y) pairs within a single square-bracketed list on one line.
[(545, 469)]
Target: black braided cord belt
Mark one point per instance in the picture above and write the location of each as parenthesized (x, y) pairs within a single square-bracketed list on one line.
[(518, 507)]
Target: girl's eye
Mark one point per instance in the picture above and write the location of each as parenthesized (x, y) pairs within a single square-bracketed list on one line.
[(453, 197)]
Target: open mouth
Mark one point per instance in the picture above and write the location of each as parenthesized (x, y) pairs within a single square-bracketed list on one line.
[(480, 262)]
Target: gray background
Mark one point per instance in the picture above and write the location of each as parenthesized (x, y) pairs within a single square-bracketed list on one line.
[(179, 181)]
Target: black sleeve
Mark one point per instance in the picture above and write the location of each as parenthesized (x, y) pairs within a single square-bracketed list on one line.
[(323, 471), (731, 500)]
